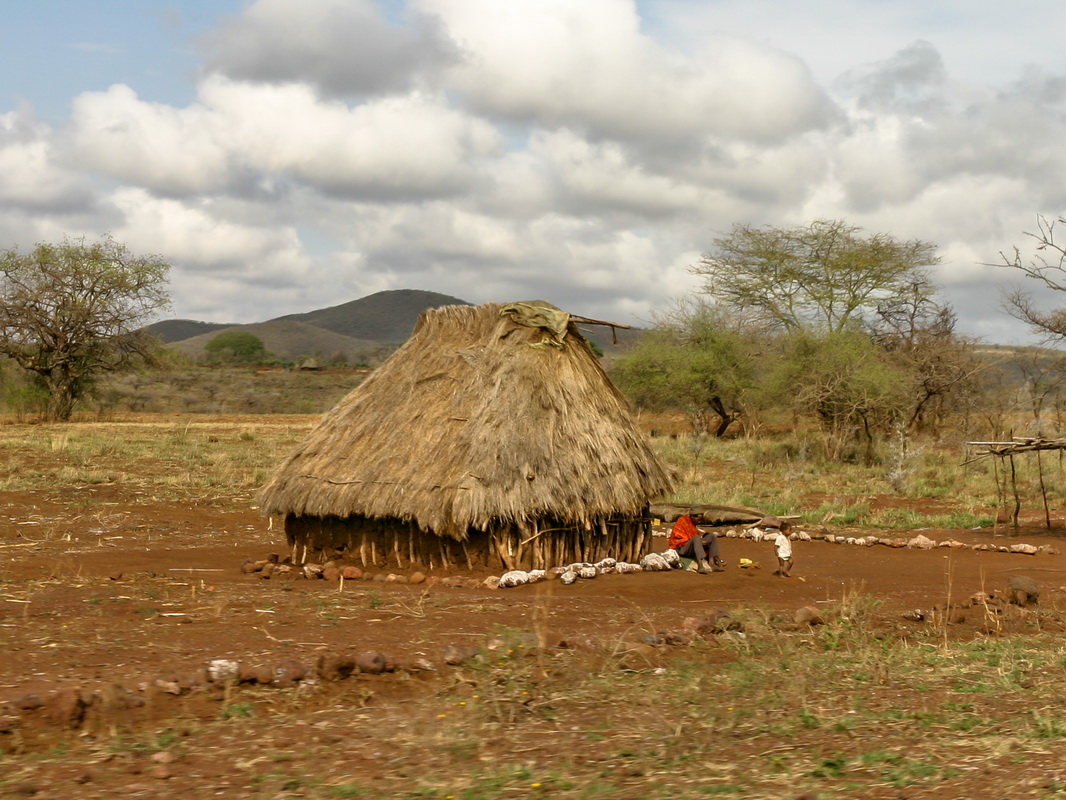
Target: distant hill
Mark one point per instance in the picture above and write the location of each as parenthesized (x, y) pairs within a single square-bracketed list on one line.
[(364, 330), (290, 340), (387, 317), (176, 330)]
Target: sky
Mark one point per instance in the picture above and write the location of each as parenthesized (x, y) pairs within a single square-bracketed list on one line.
[(290, 155)]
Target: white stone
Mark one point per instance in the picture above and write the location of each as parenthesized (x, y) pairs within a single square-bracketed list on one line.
[(654, 562), (515, 577), (223, 669)]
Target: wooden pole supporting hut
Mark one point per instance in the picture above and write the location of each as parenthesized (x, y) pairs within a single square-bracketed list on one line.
[(491, 439)]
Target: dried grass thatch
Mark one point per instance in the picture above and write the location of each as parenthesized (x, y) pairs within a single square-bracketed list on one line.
[(480, 432)]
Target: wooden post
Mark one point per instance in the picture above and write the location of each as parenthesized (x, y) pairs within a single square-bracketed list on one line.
[(501, 549), (1043, 490), (1014, 486)]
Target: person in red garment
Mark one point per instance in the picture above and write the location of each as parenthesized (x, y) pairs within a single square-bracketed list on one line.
[(690, 542)]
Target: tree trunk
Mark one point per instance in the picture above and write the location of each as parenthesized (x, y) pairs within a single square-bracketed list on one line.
[(62, 395), (725, 417)]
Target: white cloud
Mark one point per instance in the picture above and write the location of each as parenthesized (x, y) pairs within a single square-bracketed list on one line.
[(588, 65), (601, 177), (32, 180), (584, 152), (405, 145), (976, 37), (194, 238), (343, 47), (393, 146), (149, 144)]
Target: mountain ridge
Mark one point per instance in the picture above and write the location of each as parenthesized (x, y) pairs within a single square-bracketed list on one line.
[(364, 330)]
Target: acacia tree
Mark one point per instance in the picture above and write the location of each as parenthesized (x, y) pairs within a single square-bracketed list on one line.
[(824, 275), (72, 311)]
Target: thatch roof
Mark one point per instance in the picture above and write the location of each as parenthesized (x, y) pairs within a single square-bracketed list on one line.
[(477, 421)]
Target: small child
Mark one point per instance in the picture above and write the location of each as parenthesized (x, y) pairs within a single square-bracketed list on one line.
[(783, 546)]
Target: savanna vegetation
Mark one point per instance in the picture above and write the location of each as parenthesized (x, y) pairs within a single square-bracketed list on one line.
[(126, 525), (823, 324), (810, 351), (107, 583), (817, 375)]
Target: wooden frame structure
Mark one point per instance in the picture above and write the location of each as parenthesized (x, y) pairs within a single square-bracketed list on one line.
[(1006, 451)]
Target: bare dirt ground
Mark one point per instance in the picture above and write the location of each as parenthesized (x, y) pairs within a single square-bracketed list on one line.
[(112, 605)]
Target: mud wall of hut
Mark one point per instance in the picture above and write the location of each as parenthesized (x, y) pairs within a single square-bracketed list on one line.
[(402, 545)]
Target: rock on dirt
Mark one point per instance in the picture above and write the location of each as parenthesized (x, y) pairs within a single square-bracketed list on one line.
[(1023, 590), (289, 672), (335, 667), (66, 708), (808, 616), (371, 662), (457, 654), (221, 670), (255, 674)]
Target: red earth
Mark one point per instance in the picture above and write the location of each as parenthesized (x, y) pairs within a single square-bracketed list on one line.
[(107, 621)]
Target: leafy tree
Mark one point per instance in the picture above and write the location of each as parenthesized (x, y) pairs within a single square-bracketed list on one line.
[(695, 360), (72, 311), (236, 347), (824, 275), (1048, 266), (842, 378)]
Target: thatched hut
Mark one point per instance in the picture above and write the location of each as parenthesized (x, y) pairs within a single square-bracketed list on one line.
[(492, 438)]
